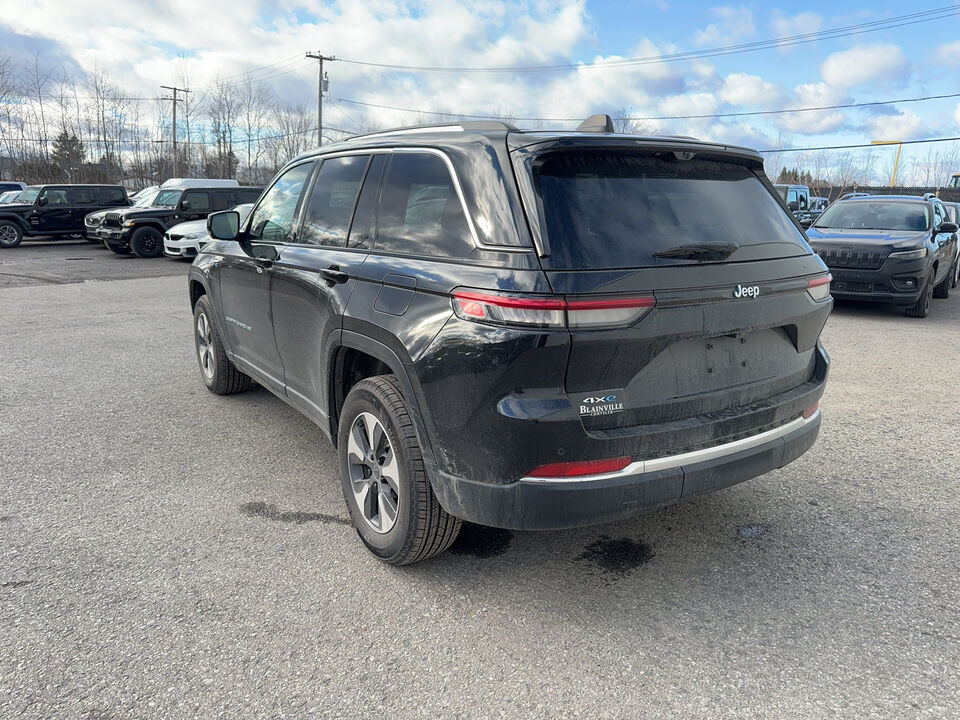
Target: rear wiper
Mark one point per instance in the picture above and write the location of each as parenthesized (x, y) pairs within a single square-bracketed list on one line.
[(699, 251)]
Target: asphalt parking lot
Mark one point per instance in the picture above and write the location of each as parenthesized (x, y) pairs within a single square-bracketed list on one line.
[(167, 553)]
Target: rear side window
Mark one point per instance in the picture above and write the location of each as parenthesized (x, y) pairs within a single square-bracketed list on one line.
[(331, 202), (224, 199), (420, 211), (199, 200), (112, 196), (250, 195), (83, 196), (616, 209)]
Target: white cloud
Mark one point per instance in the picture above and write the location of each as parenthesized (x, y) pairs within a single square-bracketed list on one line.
[(956, 114), (905, 125), (783, 25), (741, 89), (948, 54), (866, 65), (732, 24)]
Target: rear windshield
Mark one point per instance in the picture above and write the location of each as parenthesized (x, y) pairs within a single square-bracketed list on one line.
[(616, 209), (876, 215)]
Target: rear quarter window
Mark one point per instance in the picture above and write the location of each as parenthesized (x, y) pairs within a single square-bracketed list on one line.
[(420, 210), (614, 209)]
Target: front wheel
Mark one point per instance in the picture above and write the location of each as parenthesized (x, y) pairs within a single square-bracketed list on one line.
[(219, 373), (921, 307), (146, 242), (384, 483), (10, 234)]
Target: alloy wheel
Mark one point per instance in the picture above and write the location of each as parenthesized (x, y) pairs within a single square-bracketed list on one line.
[(205, 351), (8, 235), (374, 473)]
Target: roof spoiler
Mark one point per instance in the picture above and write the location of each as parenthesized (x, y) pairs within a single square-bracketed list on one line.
[(596, 124)]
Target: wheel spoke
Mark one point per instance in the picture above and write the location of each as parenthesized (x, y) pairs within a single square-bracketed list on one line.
[(391, 471), (388, 508), (358, 438)]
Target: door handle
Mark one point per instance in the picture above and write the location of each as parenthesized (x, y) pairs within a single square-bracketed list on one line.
[(335, 274)]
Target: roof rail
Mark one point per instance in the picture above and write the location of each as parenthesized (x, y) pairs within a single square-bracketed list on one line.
[(468, 125), (597, 124)]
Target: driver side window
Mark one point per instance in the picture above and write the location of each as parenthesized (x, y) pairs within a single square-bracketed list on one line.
[(272, 220)]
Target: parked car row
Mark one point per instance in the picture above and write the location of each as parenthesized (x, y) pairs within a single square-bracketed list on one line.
[(104, 213)]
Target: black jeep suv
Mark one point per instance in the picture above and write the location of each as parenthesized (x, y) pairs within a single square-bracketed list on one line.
[(55, 210), (897, 249), (140, 230), (521, 329)]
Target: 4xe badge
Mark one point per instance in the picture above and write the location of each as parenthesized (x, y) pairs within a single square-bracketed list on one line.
[(746, 291), (600, 405)]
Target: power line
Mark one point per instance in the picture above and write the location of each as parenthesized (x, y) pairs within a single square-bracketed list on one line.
[(939, 13), (863, 145), (873, 103)]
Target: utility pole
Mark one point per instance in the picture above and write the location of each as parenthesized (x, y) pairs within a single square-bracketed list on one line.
[(175, 99), (322, 84)]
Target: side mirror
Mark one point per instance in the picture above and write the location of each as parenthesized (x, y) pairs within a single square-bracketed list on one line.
[(948, 227), (42, 201), (185, 205), (805, 223), (224, 225), (794, 206)]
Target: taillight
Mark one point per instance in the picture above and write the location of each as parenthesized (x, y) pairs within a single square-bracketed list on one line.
[(819, 287), (810, 411), (580, 468), (555, 312)]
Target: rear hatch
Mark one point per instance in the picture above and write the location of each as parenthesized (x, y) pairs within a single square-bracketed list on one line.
[(732, 327)]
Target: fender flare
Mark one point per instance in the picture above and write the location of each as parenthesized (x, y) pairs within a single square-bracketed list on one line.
[(17, 220), (346, 339)]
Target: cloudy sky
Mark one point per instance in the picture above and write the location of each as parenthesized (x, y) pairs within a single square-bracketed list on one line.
[(145, 44)]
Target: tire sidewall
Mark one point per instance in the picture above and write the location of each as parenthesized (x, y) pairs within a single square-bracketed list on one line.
[(18, 230), (389, 544), (139, 235)]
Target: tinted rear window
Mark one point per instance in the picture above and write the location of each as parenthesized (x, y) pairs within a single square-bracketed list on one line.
[(617, 209)]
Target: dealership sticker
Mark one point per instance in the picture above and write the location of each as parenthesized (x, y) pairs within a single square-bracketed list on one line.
[(600, 404)]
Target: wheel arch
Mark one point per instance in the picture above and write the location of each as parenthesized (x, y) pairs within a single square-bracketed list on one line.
[(17, 220), (353, 357)]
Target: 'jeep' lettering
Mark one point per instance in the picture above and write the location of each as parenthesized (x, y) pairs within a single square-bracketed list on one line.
[(751, 291)]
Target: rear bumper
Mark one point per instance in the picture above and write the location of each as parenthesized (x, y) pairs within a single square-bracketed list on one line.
[(546, 504)]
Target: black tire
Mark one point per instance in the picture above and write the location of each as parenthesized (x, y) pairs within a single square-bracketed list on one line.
[(422, 528), (118, 251), (921, 307), (219, 373), (146, 242), (11, 234), (942, 291)]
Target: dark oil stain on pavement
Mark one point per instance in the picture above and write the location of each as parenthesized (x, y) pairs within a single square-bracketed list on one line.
[(16, 583), (617, 556), (6, 518), (482, 542), (270, 512)]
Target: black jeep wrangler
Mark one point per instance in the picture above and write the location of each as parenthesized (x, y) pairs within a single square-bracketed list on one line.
[(55, 210), (140, 230), (527, 330)]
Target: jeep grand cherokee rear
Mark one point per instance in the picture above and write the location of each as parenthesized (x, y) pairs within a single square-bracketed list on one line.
[(522, 329)]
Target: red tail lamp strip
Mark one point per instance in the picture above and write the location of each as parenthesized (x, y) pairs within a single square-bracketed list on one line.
[(580, 468)]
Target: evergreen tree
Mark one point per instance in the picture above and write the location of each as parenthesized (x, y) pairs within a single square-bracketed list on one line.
[(68, 155)]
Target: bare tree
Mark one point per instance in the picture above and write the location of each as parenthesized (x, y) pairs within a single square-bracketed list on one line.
[(253, 101)]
